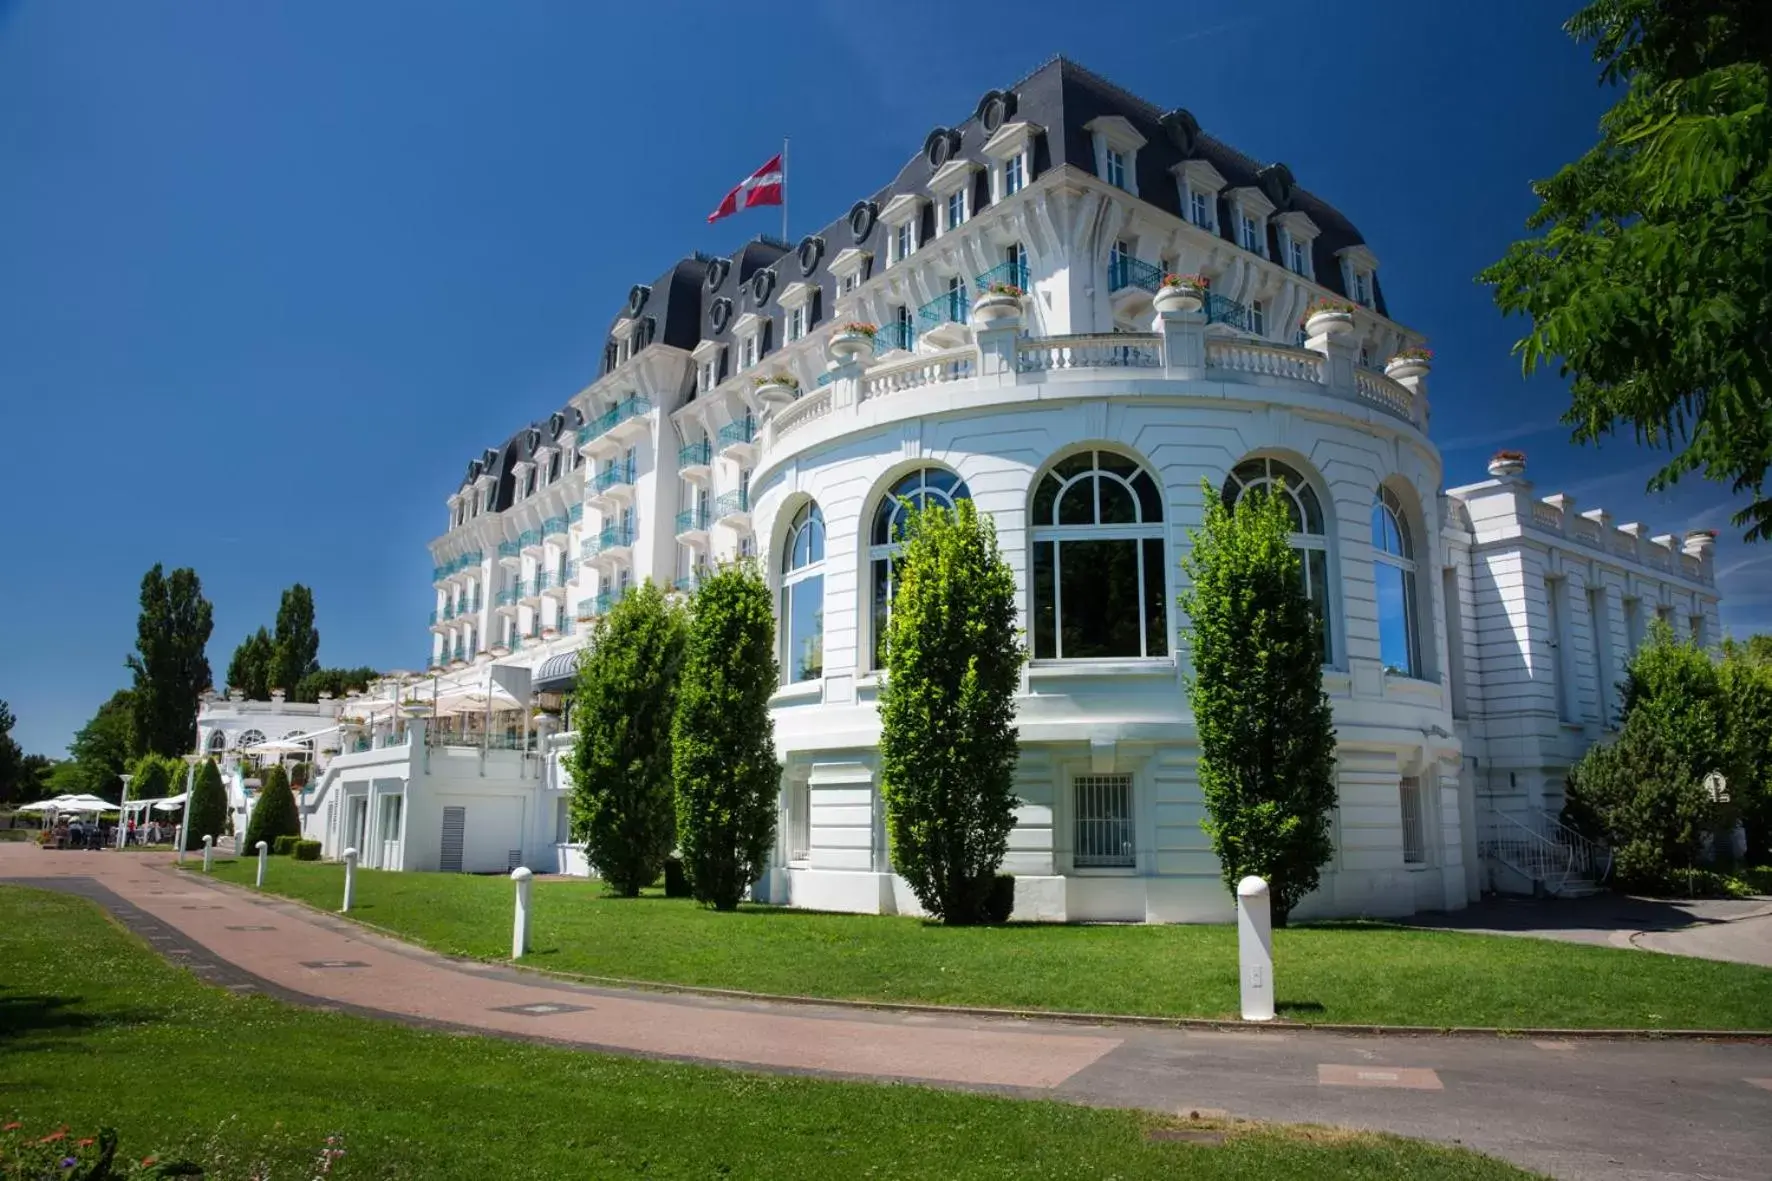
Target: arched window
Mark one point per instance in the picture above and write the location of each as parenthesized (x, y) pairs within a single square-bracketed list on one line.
[(250, 738), (802, 597), (925, 486), (1393, 566), (218, 742), (1308, 536), (1098, 563)]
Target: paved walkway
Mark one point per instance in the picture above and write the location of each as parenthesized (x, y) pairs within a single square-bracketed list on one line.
[(1630, 1110), (1737, 929)]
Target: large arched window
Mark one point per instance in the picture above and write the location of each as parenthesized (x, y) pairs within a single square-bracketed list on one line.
[(250, 738), (802, 596), (925, 486), (1393, 566), (218, 742), (1098, 566), (1308, 536)]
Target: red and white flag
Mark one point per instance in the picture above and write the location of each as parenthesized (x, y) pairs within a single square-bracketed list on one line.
[(762, 187)]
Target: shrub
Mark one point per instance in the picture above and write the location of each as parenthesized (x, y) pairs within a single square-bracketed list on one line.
[(307, 850), (947, 712), (1267, 739), (284, 846), (1747, 689), (621, 766), (723, 741), (154, 777), (206, 812), (274, 814), (1001, 903)]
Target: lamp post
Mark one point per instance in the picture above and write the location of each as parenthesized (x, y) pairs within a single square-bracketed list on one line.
[(123, 813)]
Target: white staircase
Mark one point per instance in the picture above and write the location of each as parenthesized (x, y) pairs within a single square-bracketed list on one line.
[(1554, 858)]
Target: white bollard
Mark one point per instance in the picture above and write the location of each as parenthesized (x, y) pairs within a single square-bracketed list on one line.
[(208, 853), (263, 850), (179, 840), (350, 879), (520, 928), (1255, 949)]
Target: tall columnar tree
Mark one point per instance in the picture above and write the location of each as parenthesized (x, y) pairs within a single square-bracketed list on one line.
[(722, 739), (1746, 676), (947, 712), (169, 665), (155, 777), (206, 811), (296, 644), (1644, 794), (622, 806), (13, 787), (274, 814), (249, 671), (1647, 283), (103, 749), (1267, 736)]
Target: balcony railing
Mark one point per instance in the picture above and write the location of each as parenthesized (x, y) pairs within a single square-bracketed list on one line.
[(528, 538), (543, 580), (732, 504), (612, 537), (1221, 309), (692, 519), (509, 596), (1014, 273), (695, 454), (435, 617), (455, 566), (688, 583), (604, 601), (1126, 271), (509, 549), (742, 431), (615, 473), (554, 526), (951, 308), (617, 414), (895, 334), (576, 513)]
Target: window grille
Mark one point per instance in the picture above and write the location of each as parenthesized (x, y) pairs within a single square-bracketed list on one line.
[(1414, 829), (1104, 822)]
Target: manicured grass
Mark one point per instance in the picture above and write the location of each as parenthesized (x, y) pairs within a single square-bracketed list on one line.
[(95, 1030), (1358, 973)]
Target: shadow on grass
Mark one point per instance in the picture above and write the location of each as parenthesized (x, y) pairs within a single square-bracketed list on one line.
[(28, 1017), (1299, 1007)]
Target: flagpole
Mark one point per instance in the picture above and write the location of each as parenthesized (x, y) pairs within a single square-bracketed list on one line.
[(784, 188)]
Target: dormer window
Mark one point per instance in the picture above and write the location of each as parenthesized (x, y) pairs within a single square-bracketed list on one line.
[(553, 467), (1012, 166), (951, 186), (748, 355), (904, 242), (850, 268), (797, 304), (1114, 170), (1014, 175), (956, 209), (1363, 288), (1198, 184), (1251, 209), (1116, 151), (1296, 233), (1359, 275), (1298, 257), (1248, 232), (1200, 210), (901, 216), (796, 323)]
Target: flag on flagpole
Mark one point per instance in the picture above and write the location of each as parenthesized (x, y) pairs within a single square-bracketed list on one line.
[(762, 187)]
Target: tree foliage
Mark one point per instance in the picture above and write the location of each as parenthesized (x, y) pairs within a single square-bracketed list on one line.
[(622, 806), (1643, 794), (336, 681), (295, 648), (274, 813), (249, 671), (206, 812), (169, 662), (1267, 736), (947, 712), (1746, 675), (155, 777), (13, 786), (723, 740), (102, 750), (1650, 282)]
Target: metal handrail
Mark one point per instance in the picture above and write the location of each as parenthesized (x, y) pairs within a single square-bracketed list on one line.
[(1592, 858)]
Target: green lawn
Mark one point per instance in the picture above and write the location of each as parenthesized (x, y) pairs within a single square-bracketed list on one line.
[(1354, 973), (96, 1030)]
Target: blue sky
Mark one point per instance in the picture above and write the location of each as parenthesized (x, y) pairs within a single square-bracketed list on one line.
[(270, 273)]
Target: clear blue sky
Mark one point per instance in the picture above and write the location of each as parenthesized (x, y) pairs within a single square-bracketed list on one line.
[(270, 273)]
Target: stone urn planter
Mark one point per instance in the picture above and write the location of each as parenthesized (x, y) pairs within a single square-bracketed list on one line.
[(415, 709), (1179, 297), (851, 343), (1410, 363), (1329, 322), (999, 304), (1507, 463), (777, 391)]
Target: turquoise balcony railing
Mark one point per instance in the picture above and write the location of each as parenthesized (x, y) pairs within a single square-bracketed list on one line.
[(602, 602), (951, 308), (439, 573), (742, 431), (567, 625), (508, 596), (1222, 309), (516, 642), (897, 334), (433, 618), (827, 377), (455, 566), (615, 473), (1126, 271), (1013, 273), (471, 605), (732, 504), (688, 583), (509, 549), (691, 519), (543, 580), (576, 513), (459, 652), (691, 454), (553, 526), (563, 575), (611, 418), (612, 537), (528, 538)]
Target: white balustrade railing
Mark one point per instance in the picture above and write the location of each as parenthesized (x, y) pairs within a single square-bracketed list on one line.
[(809, 408), (1546, 517), (1247, 356), (1103, 350), (908, 373), (1548, 852), (1377, 388)]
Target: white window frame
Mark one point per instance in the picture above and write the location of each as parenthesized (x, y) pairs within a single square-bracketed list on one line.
[(1258, 317), (1097, 788), (1296, 485), (1113, 166), (913, 486), (747, 352), (1359, 275), (1196, 179), (900, 217), (796, 323), (1412, 814), (954, 208), (1116, 151), (1014, 174), (904, 241), (1387, 510), (806, 518), (1011, 149)]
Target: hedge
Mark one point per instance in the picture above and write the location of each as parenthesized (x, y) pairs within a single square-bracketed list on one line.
[(307, 850)]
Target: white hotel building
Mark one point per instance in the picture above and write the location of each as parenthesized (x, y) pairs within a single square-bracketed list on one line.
[(1474, 634)]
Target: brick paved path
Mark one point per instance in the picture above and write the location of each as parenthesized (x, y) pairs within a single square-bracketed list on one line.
[(1629, 1110)]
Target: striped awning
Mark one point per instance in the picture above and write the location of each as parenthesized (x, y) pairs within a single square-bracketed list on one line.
[(557, 673)]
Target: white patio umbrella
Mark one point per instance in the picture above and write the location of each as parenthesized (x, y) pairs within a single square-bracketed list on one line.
[(171, 803), (82, 803)]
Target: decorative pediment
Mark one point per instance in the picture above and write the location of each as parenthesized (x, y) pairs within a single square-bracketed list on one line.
[(902, 208), (1011, 138), (1117, 130), (952, 175)]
